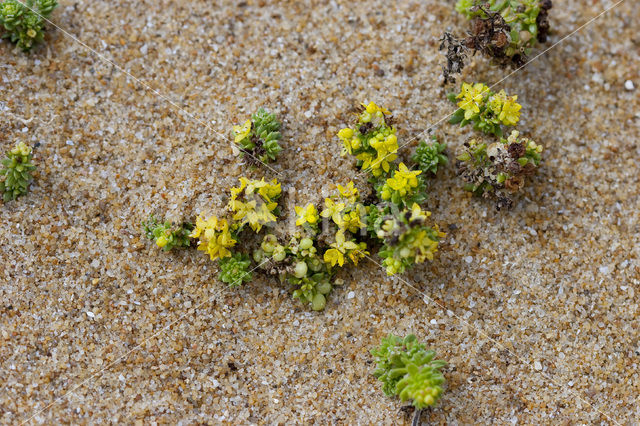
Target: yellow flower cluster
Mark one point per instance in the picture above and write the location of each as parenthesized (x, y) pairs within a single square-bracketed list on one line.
[(21, 148), (505, 108), (472, 98), (343, 247), (241, 132), (402, 184), (254, 202), (307, 214), (373, 142), (214, 237), (386, 151)]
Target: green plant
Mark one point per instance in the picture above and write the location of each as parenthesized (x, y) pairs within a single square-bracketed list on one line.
[(24, 20), (17, 168), (408, 370), (234, 270), (505, 30), (498, 169), (430, 156), (167, 235), (372, 141), (487, 110), (404, 188), (406, 237), (259, 136)]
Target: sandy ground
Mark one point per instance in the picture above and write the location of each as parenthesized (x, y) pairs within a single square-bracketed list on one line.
[(536, 309)]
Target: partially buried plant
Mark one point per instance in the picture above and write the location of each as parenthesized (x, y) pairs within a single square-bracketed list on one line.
[(498, 169), (409, 371), (429, 157), (258, 138), (487, 110), (234, 270), (23, 21), (309, 257), (505, 30), (16, 169), (166, 235)]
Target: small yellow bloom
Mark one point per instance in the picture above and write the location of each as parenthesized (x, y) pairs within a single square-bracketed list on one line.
[(345, 133), (242, 132), (350, 192), (22, 149), (307, 214), (31, 33), (417, 213), (372, 108), (333, 210), (351, 221), (403, 182), (472, 97), (510, 113), (213, 236), (338, 249), (162, 241)]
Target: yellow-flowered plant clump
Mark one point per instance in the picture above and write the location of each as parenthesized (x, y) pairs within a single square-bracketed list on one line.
[(400, 190), (214, 237), (404, 188), (328, 235), (488, 111), (372, 141), (254, 202), (407, 239), (307, 214)]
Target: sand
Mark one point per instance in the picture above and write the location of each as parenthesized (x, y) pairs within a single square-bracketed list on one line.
[(536, 309)]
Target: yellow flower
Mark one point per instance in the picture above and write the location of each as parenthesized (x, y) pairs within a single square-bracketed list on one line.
[(424, 246), (242, 132), (333, 210), (213, 236), (372, 108), (351, 221), (255, 213), (339, 248), (350, 192), (345, 133), (496, 101), (162, 241), (22, 149), (417, 213), (386, 148), (359, 253), (307, 214), (472, 97), (510, 113), (268, 191), (349, 140), (403, 182)]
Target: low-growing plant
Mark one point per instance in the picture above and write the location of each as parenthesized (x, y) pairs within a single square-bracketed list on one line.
[(166, 235), (429, 157), (309, 257), (505, 30), (372, 140), (259, 137), (498, 169), (409, 371), (17, 167), (487, 110), (234, 270), (23, 21)]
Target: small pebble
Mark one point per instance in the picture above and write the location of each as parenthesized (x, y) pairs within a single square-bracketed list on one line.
[(629, 85)]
